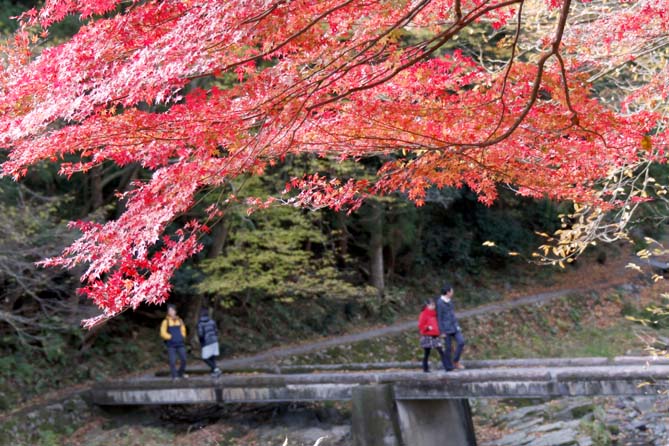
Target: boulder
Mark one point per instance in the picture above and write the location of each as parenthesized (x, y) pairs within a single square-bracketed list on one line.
[(564, 437)]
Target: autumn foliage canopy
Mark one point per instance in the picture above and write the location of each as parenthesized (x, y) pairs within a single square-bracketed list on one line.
[(142, 82)]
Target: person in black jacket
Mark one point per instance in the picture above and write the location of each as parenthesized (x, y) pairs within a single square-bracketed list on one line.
[(449, 329), (208, 335)]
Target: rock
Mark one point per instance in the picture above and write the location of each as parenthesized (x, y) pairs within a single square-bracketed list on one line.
[(312, 435), (576, 410), (515, 439), (588, 417), (339, 433), (644, 404), (560, 425), (525, 412), (629, 288), (630, 421), (524, 425), (640, 425), (564, 437), (55, 407), (331, 436)]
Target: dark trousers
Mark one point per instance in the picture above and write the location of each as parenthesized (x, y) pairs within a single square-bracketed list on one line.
[(426, 357), (459, 345), (211, 362), (172, 354)]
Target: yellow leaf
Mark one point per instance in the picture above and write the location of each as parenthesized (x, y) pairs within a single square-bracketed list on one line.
[(489, 243), (649, 241)]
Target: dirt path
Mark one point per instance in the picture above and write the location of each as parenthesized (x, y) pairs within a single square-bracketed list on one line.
[(594, 278), (397, 328)]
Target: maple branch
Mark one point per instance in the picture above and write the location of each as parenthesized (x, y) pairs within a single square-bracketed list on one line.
[(289, 39), (442, 39), (508, 69), (265, 13), (565, 86), (345, 67), (536, 85), (458, 10), (600, 75)]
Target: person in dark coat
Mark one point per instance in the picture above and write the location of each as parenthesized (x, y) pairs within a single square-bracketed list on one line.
[(449, 328), (173, 332), (207, 332), (428, 328)]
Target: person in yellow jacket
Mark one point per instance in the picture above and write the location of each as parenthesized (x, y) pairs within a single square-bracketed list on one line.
[(173, 332)]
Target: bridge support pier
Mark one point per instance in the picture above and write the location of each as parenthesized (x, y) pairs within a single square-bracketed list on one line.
[(436, 422), (380, 420), (374, 416)]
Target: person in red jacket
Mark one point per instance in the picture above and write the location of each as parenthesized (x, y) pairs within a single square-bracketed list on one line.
[(429, 334)]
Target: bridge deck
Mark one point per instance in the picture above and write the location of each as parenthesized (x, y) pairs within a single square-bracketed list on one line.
[(582, 377), (200, 368)]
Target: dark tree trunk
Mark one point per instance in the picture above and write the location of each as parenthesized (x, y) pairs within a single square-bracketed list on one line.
[(193, 314), (343, 234), (97, 197), (376, 278), (124, 186), (219, 235)]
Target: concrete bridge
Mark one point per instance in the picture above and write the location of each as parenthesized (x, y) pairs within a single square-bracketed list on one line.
[(393, 404)]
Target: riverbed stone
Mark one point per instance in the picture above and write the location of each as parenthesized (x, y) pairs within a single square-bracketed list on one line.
[(574, 409), (524, 425), (644, 404), (517, 438), (585, 441), (540, 410), (330, 435), (557, 426), (563, 437)]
